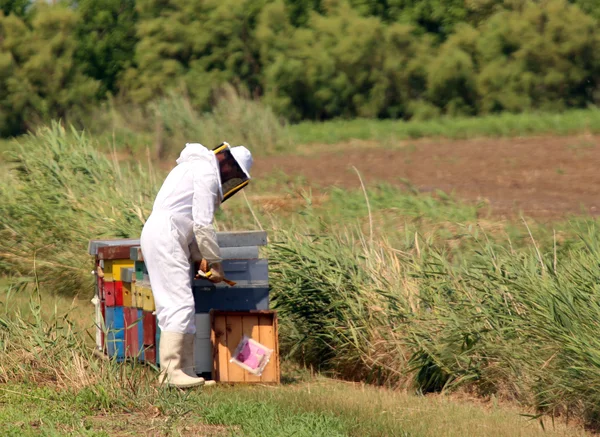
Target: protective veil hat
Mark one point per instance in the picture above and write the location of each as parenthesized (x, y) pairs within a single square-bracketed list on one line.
[(234, 166)]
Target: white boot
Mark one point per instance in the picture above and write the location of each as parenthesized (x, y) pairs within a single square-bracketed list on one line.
[(187, 357), (171, 351)]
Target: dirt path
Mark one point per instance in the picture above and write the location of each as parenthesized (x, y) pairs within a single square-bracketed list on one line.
[(542, 176)]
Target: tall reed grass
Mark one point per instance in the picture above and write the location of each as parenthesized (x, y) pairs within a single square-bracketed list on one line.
[(169, 122), (515, 323), (46, 358), (59, 193)]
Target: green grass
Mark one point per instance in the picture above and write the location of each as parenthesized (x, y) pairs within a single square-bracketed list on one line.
[(503, 125), (390, 287), (313, 408)]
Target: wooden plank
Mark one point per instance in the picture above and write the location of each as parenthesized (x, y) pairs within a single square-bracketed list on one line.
[(147, 298), (236, 298), (131, 332), (140, 330), (140, 269), (250, 328), (202, 322), (234, 336), (277, 360), (157, 344), (242, 239), (269, 313), (202, 355), (109, 293), (103, 326), (133, 292), (221, 355), (150, 354), (99, 321), (107, 267), (249, 252), (118, 293), (127, 274), (151, 297), (127, 294), (114, 252), (94, 245), (267, 338), (139, 288), (149, 329), (225, 239), (135, 253)]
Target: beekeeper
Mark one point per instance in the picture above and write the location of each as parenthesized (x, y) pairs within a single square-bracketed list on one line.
[(180, 232)]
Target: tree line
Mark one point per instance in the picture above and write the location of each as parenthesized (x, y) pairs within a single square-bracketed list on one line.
[(307, 59)]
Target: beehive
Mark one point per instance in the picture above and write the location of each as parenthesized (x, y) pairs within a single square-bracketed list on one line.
[(227, 330), (126, 321)]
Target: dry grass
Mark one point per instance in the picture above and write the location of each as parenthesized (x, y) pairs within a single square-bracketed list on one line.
[(432, 415), (152, 424)]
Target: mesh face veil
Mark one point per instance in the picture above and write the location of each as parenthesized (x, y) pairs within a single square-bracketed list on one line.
[(234, 172)]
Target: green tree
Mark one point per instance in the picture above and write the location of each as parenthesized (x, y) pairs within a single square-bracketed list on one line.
[(298, 11), (197, 45), (437, 17), (332, 67), (590, 7), (544, 56), (16, 7), (452, 74), (39, 78), (106, 39), (405, 60)]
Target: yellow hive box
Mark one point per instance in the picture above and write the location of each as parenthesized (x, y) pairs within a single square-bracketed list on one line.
[(107, 266), (148, 299), (127, 294), (141, 296), (140, 293), (133, 295), (112, 268), (118, 264)]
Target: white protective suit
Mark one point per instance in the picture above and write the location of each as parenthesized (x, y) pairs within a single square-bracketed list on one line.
[(182, 218)]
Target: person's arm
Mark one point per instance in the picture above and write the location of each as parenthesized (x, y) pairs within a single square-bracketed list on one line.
[(206, 192)]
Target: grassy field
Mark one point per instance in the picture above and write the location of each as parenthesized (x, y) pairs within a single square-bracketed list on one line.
[(314, 408), (60, 389), (504, 125), (428, 296)]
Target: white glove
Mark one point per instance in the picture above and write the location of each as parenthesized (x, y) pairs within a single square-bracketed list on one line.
[(206, 238)]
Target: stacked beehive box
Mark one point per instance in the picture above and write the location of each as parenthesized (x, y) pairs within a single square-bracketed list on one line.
[(126, 321), (124, 303)]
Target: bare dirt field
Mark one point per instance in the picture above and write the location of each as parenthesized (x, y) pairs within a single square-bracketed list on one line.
[(544, 177)]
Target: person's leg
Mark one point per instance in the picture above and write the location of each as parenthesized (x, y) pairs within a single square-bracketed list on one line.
[(167, 261)]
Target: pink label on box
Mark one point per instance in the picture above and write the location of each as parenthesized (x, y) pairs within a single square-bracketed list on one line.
[(251, 355)]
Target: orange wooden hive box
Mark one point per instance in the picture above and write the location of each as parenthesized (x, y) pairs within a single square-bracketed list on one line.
[(227, 330)]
